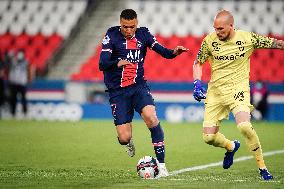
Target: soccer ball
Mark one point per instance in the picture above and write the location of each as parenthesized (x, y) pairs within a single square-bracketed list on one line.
[(147, 167)]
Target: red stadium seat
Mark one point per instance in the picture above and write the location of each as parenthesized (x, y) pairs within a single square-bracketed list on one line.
[(38, 48), (30, 52), (22, 41), (6, 41), (54, 41), (39, 40)]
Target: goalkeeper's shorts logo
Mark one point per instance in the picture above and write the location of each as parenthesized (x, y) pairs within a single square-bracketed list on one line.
[(239, 96)]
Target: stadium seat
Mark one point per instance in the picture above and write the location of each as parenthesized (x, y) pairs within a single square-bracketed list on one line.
[(62, 6), (47, 7), (17, 6), (32, 28), (16, 29), (54, 41), (3, 6), (22, 41), (32, 6), (6, 42)]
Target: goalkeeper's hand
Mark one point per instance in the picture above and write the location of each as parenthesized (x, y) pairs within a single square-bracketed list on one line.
[(199, 91)]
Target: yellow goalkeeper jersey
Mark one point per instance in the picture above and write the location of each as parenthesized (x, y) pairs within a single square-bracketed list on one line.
[(229, 59)]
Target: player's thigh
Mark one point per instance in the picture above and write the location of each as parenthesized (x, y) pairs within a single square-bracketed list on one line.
[(145, 106), (215, 112), (143, 98), (240, 104), (122, 108)]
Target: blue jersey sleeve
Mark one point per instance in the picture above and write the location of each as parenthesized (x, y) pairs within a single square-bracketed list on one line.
[(153, 44), (106, 61)]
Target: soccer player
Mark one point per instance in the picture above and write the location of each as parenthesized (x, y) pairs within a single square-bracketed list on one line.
[(122, 57), (228, 51)]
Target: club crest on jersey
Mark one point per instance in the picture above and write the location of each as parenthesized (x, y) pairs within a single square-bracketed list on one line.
[(106, 40), (240, 43), (215, 46), (139, 44)]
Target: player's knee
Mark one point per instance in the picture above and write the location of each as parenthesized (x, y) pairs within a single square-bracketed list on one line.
[(209, 138), (123, 140), (241, 113), (149, 116), (151, 120), (246, 129)]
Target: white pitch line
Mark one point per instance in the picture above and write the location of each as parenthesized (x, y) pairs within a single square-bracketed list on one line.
[(200, 167)]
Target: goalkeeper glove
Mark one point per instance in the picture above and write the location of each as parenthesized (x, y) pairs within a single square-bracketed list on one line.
[(199, 91)]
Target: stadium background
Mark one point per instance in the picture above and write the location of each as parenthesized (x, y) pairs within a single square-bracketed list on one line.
[(62, 41)]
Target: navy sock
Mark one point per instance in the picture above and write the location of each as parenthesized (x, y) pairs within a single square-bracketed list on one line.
[(157, 135)]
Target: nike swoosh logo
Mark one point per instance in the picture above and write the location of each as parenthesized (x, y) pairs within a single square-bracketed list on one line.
[(255, 149)]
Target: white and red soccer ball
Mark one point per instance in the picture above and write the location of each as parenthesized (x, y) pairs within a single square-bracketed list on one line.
[(147, 167)]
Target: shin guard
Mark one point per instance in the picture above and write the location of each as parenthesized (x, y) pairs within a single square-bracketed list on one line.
[(157, 135), (252, 142)]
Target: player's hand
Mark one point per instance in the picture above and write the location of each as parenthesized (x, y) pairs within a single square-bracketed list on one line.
[(179, 49), (199, 91), (123, 63)]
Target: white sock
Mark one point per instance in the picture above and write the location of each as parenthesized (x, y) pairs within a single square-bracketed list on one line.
[(233, 145)]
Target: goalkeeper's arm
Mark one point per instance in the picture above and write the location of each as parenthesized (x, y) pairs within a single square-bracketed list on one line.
[(197, 70), (199, 91)]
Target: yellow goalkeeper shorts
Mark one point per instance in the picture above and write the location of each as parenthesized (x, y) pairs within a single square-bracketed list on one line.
[(218, 107)]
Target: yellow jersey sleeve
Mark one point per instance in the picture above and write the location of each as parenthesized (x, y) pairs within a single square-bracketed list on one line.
[(203, 52), (261, 42)]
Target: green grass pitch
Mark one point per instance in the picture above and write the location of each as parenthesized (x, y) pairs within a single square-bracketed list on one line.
[(86, 154)]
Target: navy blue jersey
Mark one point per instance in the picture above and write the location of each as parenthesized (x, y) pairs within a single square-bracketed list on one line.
[(116, 47)]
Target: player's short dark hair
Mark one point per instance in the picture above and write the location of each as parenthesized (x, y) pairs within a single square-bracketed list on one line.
[(128, 14)]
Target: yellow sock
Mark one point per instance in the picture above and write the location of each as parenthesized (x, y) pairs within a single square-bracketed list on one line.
[(229, 146), (218, 140), (252, 142)]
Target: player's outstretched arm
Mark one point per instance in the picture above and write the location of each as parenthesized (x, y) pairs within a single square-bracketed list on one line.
[(179, 50), (277, 44), (168, 53), (199, 91), (264, 42)]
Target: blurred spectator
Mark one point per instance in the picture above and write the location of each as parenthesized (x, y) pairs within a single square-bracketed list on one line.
[(19, 77), (99, 97), (259, 95)]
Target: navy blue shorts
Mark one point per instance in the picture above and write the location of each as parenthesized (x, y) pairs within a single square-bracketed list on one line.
[(125, 100)]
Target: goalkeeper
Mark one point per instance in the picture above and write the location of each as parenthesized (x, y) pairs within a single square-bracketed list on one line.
[(228, 51)]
